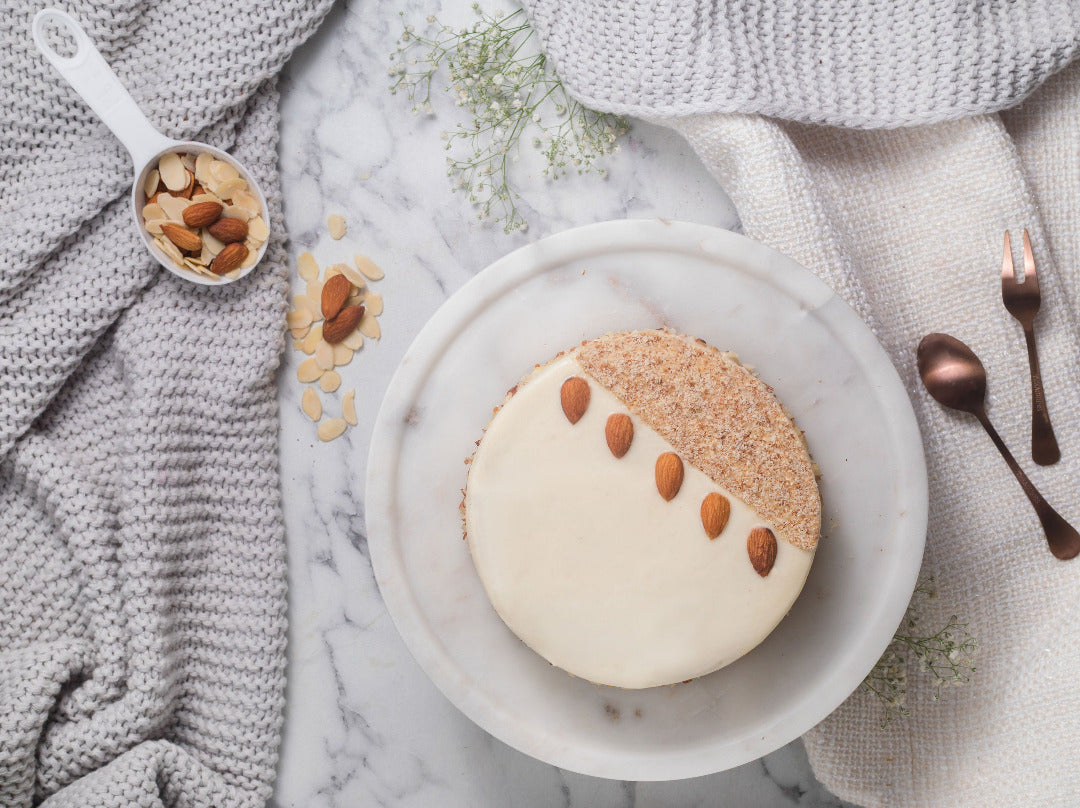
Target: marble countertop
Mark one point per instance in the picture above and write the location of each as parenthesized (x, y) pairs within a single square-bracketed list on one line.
[(363, 724)]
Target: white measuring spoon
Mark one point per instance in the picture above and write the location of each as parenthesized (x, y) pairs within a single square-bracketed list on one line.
[(92, 78)]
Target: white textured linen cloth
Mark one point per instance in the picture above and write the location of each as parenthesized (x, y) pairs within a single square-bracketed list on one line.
[(907, 225), (142, 571)]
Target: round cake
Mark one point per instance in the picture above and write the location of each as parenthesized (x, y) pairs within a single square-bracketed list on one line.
[(642, 510)]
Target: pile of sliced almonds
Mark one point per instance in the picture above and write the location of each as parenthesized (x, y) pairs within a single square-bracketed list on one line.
[(202, 215), (329, 322)]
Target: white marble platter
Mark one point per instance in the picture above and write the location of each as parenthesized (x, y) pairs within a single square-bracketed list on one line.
[(738, 295)]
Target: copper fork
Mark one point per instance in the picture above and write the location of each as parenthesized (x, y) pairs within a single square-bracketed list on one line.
[(1022, 302)]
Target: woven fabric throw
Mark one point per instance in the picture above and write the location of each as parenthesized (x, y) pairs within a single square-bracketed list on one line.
[(142, 579), (907, 224)]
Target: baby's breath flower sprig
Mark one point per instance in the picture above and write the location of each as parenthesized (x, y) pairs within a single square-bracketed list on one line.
[(498, 75), (947, 655)]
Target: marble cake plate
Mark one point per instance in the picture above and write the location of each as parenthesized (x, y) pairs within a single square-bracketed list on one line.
[(824, 364)]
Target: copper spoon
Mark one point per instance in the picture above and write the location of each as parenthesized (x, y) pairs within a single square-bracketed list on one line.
[(955, 377)]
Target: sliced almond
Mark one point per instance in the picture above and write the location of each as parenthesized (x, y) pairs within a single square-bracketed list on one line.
[(336, 225), (172, 171), (298, 333), (196, 198), (250, 260), (369, 327), (248, 201), (374, 303), (188, 161), (575, 395), (306, 266), (153, 211), (154, 226), (355, 278), (342, 355), (222, 171), (257, 229), (330, 429), (310, 404), (619, 432), (298, 318), (368, 268), (211, 243), (348, 407), (761, 547), (305, 302), (314, 290), (236, 273), (309, 370), (330, 381), (669, 475), (170, 249), (324, 354), (312, 340), (226, 189), (202, 169), (715, 510), (173, 206), (150, 184), (355, 341), (189, 186)]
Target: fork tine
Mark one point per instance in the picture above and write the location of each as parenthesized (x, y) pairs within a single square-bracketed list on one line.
[(1029, 261), (1007, 271)]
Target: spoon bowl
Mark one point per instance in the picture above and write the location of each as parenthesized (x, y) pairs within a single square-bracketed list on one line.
[(91, 77), (952, 373)]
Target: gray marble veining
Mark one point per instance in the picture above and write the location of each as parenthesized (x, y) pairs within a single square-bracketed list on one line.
[(363, 724)]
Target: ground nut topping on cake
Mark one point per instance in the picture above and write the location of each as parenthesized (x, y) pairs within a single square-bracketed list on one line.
[(735, 432)]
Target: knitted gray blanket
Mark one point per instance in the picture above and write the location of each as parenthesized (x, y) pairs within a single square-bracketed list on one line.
[(839, 62), (142, 581)]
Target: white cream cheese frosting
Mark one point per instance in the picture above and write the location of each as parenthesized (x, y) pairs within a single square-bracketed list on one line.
[(587, 563)]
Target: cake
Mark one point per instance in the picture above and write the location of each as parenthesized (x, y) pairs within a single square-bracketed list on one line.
[(641, 510)]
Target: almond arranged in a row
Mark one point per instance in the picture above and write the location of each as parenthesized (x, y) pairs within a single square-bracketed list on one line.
[(669, 475), (715, 512), (761, 547), (575, 395), (619, 432)]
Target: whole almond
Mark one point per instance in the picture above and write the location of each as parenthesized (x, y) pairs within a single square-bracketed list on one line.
[(715, 510), (337, 329), (761, 547), (619, 432), (230, 258), (229, 230), (202, 214), (669, 475), (334, 294), (575, 395), (182, 237)]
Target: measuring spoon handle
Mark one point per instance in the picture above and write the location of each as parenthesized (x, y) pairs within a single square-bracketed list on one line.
[(92, 78)]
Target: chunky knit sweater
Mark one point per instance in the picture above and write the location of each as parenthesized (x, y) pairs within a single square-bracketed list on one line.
[(142, 585)]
